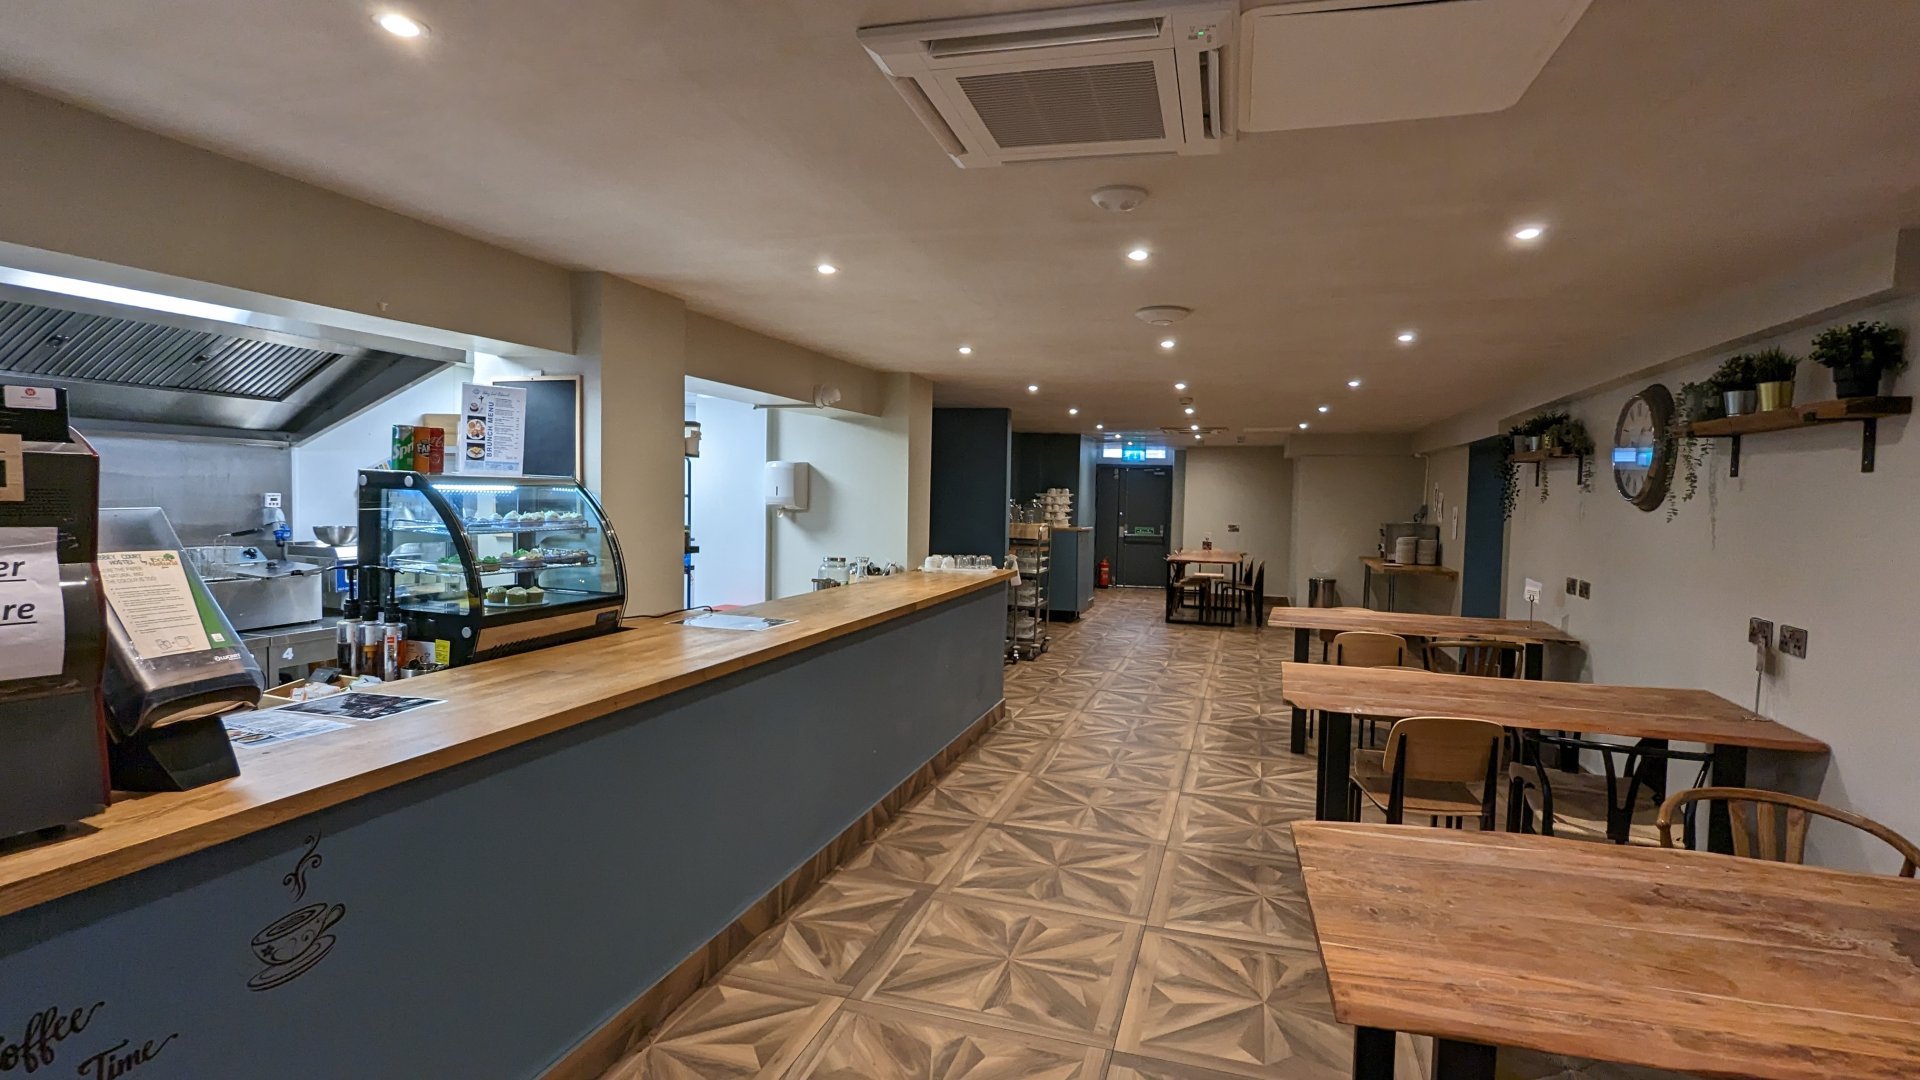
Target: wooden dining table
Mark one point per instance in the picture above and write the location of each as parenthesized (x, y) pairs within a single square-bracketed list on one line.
[(1706, 964), (1634, 712), (1533, 635), (1182, 562)]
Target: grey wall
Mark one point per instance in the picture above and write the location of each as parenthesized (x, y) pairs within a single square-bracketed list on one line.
[(207, 487), (498, 912), (1801, 536)]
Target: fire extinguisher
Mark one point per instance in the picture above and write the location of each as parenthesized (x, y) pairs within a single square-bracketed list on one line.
[(1104, 575)]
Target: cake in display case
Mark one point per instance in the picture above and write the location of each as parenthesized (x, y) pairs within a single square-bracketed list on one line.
[(483, 567)]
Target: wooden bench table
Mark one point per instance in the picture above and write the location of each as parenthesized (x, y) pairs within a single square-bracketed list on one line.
[(1707, 964), (1635, 712)]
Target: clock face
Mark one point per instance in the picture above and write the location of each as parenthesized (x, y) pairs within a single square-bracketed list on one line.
[(1642, 467)]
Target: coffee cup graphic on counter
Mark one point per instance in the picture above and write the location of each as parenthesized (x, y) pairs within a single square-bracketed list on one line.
[(294, 943)]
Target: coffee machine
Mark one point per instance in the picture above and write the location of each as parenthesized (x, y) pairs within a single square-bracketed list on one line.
[(53, 743)]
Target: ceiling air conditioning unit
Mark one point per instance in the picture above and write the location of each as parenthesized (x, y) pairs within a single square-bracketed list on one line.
[(1139, 77)]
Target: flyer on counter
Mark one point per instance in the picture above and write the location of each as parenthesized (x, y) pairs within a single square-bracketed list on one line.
[(150, 595), (354, 705), (261, 728), (493, 429), (33, 618)]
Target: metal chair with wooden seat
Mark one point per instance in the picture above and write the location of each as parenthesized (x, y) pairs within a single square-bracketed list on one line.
[(1488, 659), (1758, 830), (1617, 805), (1247, 594), (1431, 765), (1368, 648)]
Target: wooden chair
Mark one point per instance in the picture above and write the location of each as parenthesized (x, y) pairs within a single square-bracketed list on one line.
[(1755, 818), (1367, 648), (1431, 765), (1617, 805), (1488, 659)]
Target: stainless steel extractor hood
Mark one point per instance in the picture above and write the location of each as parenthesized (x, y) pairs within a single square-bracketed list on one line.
[(163, 371)]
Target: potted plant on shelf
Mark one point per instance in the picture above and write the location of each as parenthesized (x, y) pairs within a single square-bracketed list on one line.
[(1699, 401), (1773, 378), (1736, 382), (1860, 355)]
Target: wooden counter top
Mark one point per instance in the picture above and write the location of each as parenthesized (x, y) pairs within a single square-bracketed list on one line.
[(487, 707)]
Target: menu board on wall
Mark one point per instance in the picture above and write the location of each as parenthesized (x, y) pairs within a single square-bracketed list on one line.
[(493, 430)]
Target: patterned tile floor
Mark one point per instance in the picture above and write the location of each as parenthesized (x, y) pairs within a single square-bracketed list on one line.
[(1105, 888)]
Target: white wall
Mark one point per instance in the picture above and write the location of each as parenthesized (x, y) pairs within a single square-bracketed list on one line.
[(1801, 537), (324, 467), (862, 485), (1446, 493), (729, 515), (1339, 503), (1248, 486)]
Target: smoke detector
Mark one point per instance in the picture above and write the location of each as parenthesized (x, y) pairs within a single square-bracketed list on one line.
[(1119, 198), (1162, 314)]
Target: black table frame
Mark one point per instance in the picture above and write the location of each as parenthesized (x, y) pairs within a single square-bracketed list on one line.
[(1453, 1059)]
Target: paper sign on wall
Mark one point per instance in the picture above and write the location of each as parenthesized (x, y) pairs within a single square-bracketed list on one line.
[(149, 594), (1531, 593), (33, 618), (493, 429)]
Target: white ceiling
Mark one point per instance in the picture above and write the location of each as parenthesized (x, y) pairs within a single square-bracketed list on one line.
[(719, 149)]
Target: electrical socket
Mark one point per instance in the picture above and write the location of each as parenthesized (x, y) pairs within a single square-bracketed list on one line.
[(1793, 641), (1573, 586), (1760, 632), (1586, 590)]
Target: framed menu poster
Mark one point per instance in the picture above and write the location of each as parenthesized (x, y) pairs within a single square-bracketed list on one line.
[(492, 432)]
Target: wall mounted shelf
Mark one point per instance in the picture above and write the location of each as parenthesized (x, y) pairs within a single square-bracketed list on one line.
[(1537, 458), (1866, 412)]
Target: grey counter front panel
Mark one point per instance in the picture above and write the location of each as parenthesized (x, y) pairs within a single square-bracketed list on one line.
[(480, 922)]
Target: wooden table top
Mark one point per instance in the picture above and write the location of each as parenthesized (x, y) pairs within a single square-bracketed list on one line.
[(1416, 624), (1709, 964), (1196, 555), (1638, 712), (488, 707), (1383, 566)]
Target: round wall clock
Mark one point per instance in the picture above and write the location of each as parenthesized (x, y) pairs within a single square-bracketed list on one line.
[(1642, 465)]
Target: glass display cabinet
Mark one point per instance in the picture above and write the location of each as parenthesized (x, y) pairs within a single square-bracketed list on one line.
[(489, 566)]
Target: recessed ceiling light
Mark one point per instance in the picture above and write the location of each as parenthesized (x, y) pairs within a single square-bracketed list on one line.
[(1353, 384), (1166, 343), (1195, 427), (1099, 427), (400, 25), (1406, 337), (1528, 233), (1033, 388), (1139, 255), (966, 350), (1179, 386), (1196, 436), (1303, 425), (1189, 410), (1073, 412), (827, 268), (1113, 434), (1323, 408)]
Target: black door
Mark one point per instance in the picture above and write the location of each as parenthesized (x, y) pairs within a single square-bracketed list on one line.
[(1486, 530), (1143, 512), (1106, 516)]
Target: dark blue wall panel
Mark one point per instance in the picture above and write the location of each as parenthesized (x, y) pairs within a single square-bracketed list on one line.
[(972, 476), (493, 915)]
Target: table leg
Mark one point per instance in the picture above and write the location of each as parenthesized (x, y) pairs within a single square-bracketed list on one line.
[(1393, 581), (1536, 660), (1372, 1054), (1729, 770), (1366, 585), (1299, 734), (1335, 764), (1456, 1060)]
